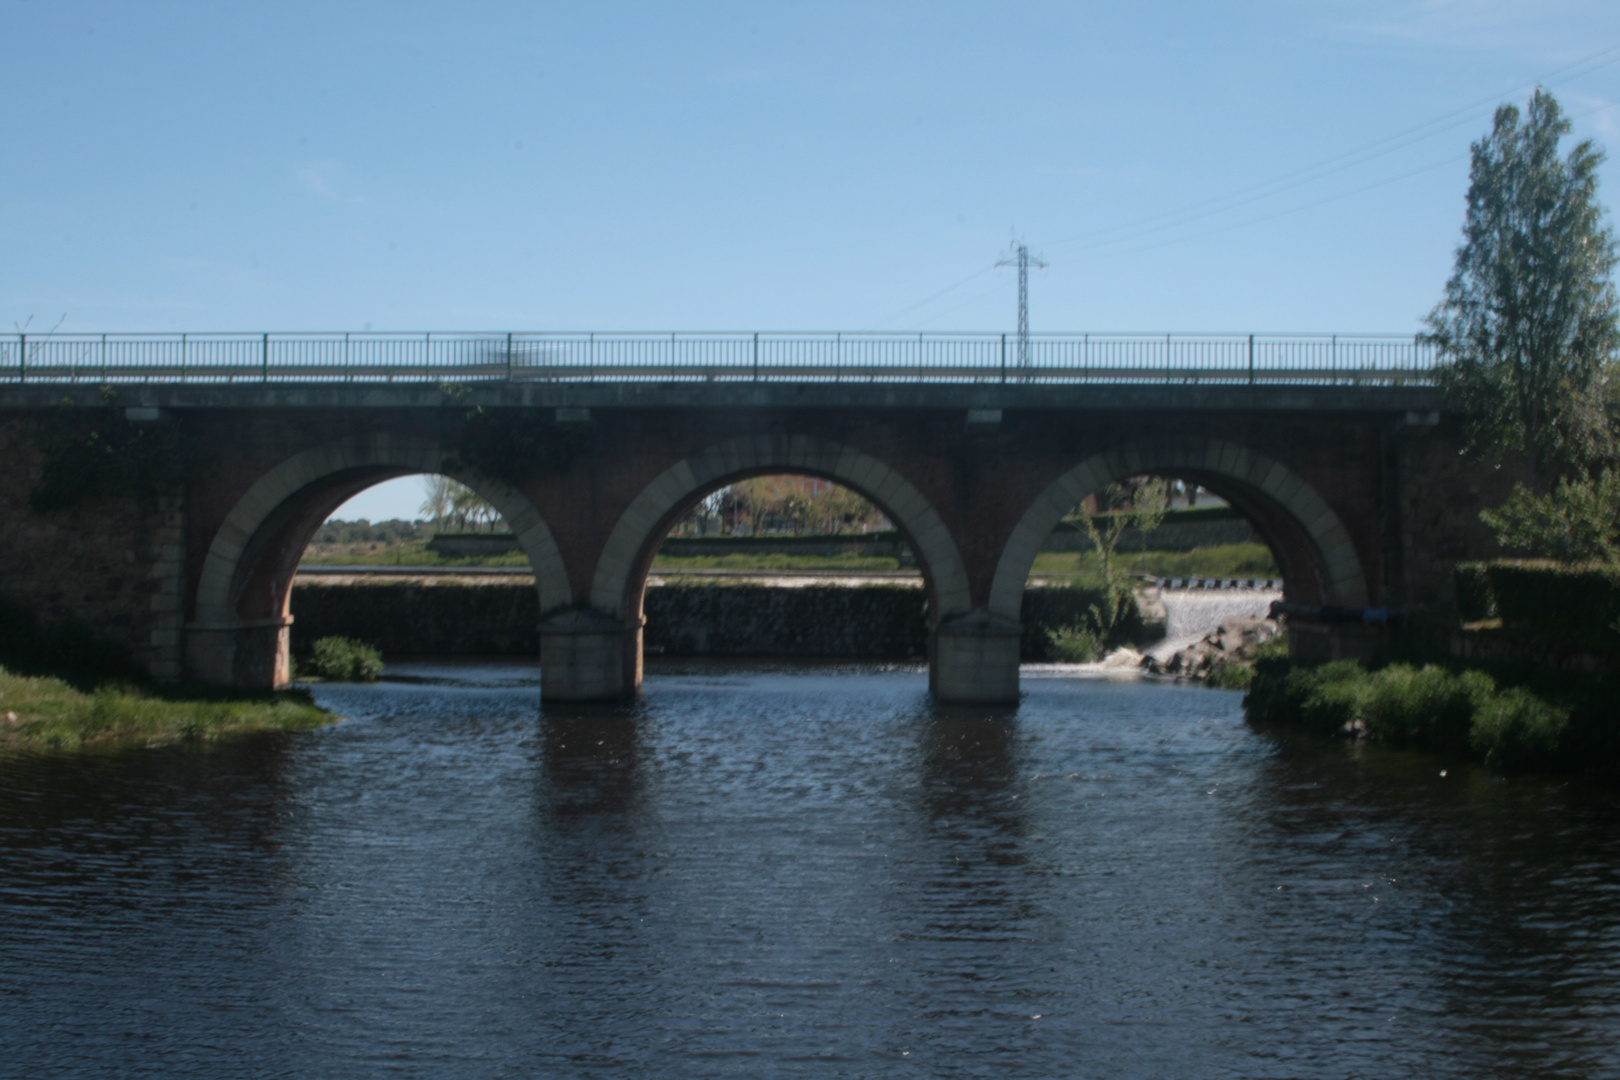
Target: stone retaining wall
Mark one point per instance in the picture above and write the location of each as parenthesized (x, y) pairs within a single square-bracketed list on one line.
[(868, 621)]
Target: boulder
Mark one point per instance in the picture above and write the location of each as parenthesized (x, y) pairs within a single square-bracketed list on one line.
[(1235, 641)]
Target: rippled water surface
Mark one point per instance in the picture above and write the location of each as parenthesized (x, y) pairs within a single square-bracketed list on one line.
[(805, 872)]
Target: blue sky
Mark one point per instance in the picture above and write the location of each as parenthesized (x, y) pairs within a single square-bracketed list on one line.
[(760, 166)]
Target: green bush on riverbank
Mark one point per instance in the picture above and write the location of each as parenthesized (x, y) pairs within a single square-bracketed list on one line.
[(1574, 727), (343, 659)]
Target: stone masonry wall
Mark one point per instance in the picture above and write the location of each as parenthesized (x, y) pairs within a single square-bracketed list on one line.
[(113, 564), (869, 621), (1442, 492)]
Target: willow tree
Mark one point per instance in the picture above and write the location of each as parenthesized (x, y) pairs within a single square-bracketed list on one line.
[(1528, 329)]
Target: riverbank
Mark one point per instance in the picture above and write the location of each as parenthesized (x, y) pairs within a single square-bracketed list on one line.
[(1541, 723), (40, 712), (63, 689)]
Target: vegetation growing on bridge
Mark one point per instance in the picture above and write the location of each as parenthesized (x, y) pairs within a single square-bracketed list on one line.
[(95, 451), (510, 444)]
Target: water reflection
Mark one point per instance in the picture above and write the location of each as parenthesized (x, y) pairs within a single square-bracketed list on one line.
[(968, 786), (801, 872), (1500, 884), (592, 760)]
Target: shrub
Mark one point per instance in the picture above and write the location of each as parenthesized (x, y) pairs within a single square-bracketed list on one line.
[(1229, 676), (1573, 726), (1577, 521), (1330, 695), (1428, 707), (1236, 673), (1518, 730), (342, 659), (1075, 644)]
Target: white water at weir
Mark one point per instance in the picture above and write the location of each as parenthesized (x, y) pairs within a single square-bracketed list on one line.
[(1195, 612), (1190, 614)]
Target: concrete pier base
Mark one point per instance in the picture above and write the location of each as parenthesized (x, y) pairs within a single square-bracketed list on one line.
[(587, 655), (248, 655), (974, 660)]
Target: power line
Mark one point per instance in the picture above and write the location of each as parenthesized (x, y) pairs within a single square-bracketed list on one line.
[(1337, 163), (1453, 159), (1194, 212), (929, 300), (970, 301)]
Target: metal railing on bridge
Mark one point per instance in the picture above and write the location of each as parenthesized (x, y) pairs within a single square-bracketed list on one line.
[(746, 357)]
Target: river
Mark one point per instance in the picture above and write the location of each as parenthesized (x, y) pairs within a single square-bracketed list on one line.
[(783, 871)]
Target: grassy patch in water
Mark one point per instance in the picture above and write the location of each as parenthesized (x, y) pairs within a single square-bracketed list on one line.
[(63, 688), (40, 712), (1569, 726)]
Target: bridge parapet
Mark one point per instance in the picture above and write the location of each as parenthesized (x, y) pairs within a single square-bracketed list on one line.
[(1332, 359)]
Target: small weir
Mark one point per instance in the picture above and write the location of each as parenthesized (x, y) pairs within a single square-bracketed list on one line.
[(1194, 613)]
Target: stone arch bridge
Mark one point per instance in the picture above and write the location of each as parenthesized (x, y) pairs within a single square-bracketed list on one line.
[(1359, 490)]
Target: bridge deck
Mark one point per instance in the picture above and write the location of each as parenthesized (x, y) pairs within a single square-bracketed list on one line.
[(1190, 394)]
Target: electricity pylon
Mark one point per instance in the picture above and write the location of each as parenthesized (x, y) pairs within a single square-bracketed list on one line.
[(1022, 260)]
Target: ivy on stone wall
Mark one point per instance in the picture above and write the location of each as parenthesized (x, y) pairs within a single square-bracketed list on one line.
[(510, 444), (94, 451)]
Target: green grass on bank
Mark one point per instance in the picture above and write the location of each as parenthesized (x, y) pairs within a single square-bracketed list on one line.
[(40, 712), (64, 688), (846, 563), (1195, 515), (1571, 725), (414, 553), (1223, 561)]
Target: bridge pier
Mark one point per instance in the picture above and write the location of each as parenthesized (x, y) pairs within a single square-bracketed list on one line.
[(974, 660), (587, 655), (248, 655)]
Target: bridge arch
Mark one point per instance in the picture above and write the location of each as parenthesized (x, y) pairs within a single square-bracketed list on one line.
[(597, 653), (1320, 562), (239, 630), (622, 567)]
